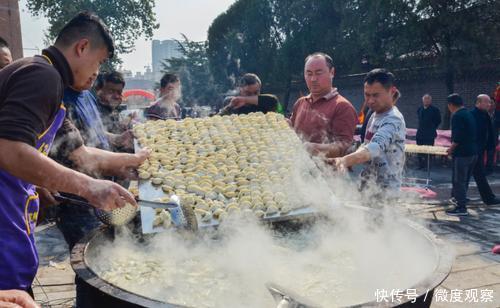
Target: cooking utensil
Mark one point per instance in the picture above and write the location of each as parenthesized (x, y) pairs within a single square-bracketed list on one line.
[(288, 299), (183, 216), (116, 217)]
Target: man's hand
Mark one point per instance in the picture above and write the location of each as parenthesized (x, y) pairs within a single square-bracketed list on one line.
[(107, 196), (128, 169), (47, 200), (126, 123), (17, 299), (313, 148), (238, 102), (338, 163), (124, 140), (46, 197), (141, 156)]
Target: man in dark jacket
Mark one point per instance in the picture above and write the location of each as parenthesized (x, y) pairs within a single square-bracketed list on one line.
[(464, 152), (485, 141), (429, 118)]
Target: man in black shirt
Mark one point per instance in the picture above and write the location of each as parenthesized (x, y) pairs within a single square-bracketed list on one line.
[(429, 119), (464, 152), (249, 99), (31, 113), (485, 142)]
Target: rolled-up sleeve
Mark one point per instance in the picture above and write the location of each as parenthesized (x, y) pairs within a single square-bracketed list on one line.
[(382, 138)]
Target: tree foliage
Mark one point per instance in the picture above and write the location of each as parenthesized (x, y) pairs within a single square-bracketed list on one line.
[(198, 86), (235, 47), (272, 37), (126, 19)]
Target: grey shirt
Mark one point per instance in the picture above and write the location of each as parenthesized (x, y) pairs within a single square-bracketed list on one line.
[(385, 140)]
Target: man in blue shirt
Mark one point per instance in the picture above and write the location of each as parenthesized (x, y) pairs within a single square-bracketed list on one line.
[(82, 110)]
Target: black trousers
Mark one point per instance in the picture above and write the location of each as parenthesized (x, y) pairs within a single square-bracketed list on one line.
[(30, 292), (422, 163), (483, 186), (461, 173)]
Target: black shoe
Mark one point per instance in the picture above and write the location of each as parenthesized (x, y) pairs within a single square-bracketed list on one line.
[(493, 201), (457, 212)]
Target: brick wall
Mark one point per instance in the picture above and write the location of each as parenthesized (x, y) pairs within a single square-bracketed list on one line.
[(10, 26), (413, 85)]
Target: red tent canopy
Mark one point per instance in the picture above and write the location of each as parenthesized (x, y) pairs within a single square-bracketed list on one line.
[(139, 92)]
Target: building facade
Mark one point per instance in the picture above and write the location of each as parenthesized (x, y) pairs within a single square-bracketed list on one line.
[(10, 27), (163, 50)]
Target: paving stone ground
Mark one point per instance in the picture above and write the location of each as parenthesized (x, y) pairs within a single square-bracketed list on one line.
[(474, 279)]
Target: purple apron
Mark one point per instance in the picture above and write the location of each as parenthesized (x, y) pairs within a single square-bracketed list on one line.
[(18, 214)]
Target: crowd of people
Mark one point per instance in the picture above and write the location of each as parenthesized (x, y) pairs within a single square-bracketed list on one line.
[(61, 132)]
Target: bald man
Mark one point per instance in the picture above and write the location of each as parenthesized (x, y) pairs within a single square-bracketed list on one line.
[(429, 118), (5, 55), (485, 141)]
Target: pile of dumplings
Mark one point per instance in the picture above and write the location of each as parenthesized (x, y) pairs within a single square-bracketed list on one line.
[(223, 164)]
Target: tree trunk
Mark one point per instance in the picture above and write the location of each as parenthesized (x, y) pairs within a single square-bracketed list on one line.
[(288, 89), (450, 87)]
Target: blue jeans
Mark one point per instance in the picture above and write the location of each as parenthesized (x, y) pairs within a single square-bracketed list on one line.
[(461, 173)]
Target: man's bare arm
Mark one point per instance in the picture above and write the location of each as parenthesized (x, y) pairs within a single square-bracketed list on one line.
[(95, 161), (25, 162), (361, 155), (329, 150)]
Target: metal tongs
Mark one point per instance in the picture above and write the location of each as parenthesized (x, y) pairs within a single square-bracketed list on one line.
[(288, 299)]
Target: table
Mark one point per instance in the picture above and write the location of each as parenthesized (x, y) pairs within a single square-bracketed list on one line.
[(429, 150)]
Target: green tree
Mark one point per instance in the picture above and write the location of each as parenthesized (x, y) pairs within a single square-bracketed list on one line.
[(301, 28), (457, 34), (446, 37), (126, 19), (240, 41), (198, 86), (373, 33)]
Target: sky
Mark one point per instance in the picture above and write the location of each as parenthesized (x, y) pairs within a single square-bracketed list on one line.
[(191, 17)]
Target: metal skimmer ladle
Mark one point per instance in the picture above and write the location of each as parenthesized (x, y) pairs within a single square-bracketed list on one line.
[(288, 299), (182, 215), (116, 217)]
